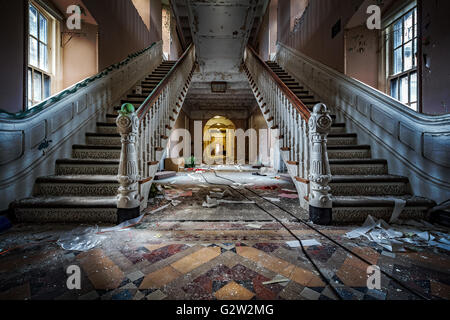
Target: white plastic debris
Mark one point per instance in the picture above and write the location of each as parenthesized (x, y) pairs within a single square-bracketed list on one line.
[(278, 279), (310, 243), (159, 209), (124, 225), (390, 236), (305, 243), (236, 202), (399, 206), (175, 202), (81, 239), (254, 226), (219, 195), (210, 202), (272, 199)]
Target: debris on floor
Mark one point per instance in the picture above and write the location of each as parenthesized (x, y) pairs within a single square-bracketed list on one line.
[(272, 199), (124, 225), (289, 196), (220, 195), (165, 175), (279, 279), (403, 233), (213, 202), (254, 226), (81, 239), (305, 243), (175, 202), (289, 190)]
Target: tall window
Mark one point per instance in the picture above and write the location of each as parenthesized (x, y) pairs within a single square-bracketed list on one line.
[(39, 79), (402, 57)]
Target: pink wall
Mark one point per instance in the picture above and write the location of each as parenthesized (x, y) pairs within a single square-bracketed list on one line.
[(361, 55), (121, 29), (313, 36), (80, 57), (12, 57), (435, 28), (263, 44)]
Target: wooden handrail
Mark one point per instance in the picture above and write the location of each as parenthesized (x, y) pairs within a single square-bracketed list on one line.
[(296, 102), (151, 99)]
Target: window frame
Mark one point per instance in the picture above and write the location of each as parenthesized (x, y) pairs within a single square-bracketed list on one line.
[(30, 100), (391, 76)]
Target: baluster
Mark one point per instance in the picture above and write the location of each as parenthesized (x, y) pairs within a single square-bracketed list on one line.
[(320, 176), (128, 199)]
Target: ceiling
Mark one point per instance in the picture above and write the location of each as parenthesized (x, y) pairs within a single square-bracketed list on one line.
[(220, 30)]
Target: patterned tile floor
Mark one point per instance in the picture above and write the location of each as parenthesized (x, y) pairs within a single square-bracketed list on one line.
[(190, 252)]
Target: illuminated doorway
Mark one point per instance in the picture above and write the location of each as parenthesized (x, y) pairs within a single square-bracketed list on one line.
[(215, 145)]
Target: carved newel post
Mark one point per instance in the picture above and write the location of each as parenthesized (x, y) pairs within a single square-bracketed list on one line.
[(128, 199), (320, 203)]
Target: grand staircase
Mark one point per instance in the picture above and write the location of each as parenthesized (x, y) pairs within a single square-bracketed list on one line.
[(84, 187), (361, 185)]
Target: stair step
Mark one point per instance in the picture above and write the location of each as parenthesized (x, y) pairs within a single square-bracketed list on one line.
[(111, 118), (369, 185), (305, 97), (150, 83), (67, 209), (137, 96), (86, 167), (355, 209), (154, 77), (293, 88), (96, 152), (299, 91), (133, 101), (359, 167), (349, 152), (337, 128), (77, 185), (104, 139), (107, 128), (342, 139)]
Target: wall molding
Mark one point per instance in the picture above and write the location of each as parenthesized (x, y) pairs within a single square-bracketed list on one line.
[(392, 129), (64, 122)]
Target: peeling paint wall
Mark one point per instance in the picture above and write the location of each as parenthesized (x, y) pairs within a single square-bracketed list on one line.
[(361, 55)]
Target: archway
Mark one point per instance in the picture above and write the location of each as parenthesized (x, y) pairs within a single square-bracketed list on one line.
[(215, 144)]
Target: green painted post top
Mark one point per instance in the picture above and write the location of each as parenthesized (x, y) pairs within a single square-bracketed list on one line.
[(127, 108)]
